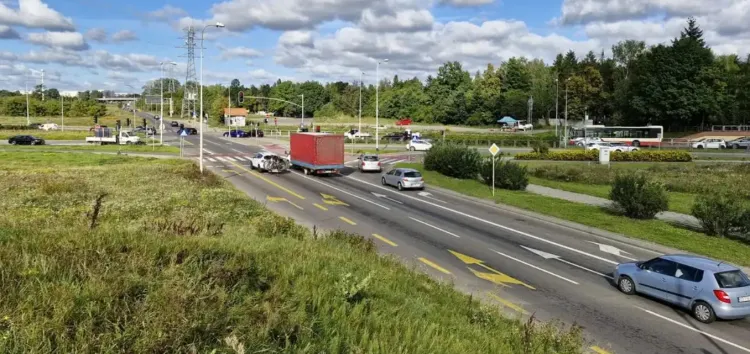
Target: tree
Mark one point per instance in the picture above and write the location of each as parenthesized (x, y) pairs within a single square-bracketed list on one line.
[(625, 53)]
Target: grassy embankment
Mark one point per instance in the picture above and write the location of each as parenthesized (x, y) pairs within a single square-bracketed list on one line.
[(650, 230), (169, 260), (95, 148)]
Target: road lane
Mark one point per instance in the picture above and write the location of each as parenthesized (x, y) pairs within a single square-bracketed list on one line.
[(625, 324)]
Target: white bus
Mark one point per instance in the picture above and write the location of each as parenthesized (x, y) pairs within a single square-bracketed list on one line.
[(650, 135)]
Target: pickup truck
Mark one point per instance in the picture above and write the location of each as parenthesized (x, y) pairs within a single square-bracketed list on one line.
[(356, 134), (104, 136)]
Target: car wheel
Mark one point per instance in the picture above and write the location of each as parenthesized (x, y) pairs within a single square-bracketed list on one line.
[(703, 312), (626, 285), (735, 146), (33, 143), (700, 146), (412, 149), (722, 147), (13, 142), (382, 180), (636, 143), (400, 187), (618, 150), (634, 150)]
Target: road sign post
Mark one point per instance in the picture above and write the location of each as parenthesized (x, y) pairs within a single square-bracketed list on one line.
[(182, 141), (494, 149)]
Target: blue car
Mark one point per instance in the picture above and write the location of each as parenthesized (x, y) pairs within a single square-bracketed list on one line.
[(236, 134), (710, 289)]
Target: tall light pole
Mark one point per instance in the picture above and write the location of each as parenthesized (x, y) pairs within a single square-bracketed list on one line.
[(200, 153), (303, 108), (161, 100), (566, 114), (557, 105), (132, 124), (62, 112), (360, 102), (26, 82), (377, 105)]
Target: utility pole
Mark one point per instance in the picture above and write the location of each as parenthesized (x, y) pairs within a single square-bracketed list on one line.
[(360, 102), (62, 112), (28, 120), (42, 84), (303, 108), (377, 105), (200, 119), (229, 111), (557, 104), (565, 141)]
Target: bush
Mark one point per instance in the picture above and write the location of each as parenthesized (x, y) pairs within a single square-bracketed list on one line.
[(593, 155), (637, 197), (508, 175), (540, 147), (719, 213), (488, 139), (453, 160)]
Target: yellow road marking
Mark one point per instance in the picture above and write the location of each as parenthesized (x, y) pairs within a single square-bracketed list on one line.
[(230, 171), (185, 142), (268, 180), (347, 220), (381, 238), (433, 265), (278, 199), (320, 206), (508, 304), (332, 200), (599, 350), (495, 276)]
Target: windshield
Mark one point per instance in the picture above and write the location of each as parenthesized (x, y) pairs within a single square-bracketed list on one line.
[(732, 279), (370, 158), (412, 174)]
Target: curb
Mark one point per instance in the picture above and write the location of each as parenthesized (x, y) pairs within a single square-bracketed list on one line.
[(648, 246)]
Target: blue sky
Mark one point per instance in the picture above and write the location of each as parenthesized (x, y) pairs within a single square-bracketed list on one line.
[(108, 44)]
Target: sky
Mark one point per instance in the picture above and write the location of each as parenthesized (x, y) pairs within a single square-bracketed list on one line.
[(119, 45)]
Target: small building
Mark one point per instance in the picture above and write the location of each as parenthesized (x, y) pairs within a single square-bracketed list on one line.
[(235, 117)]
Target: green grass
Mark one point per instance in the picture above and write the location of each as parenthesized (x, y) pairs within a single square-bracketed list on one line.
[(104, 148), (650, 230), (69, 121), (678, 202), (140, 282), (47, 135)]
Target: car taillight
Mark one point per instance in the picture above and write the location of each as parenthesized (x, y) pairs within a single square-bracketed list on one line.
[(378, 163), (722, 296)]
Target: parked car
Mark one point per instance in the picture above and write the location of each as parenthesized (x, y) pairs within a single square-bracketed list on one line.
[(622, 147), (235, 134), (35, 126), (710, 143), (49, 126), (418, 145), (25, 140), (188, 131), (710, 289), (582, 142), (741, 143), (403, 178), (396, 137), (356, 134), (174, 123), (369, 162), (253, 132)]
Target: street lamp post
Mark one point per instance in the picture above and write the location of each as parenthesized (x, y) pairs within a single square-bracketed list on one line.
[(200, 125), (303, 108), (360, 102), (557, 105), (566, 113), (161, 101), (62, 112), (377, 105), (26, 82)]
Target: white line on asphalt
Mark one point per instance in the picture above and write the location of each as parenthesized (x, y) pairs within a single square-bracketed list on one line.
[(230, 158), (342, 191), (386, 161), (584, 268), (535, 267), (240, 158), (397, 161), (221, 158), (351, 162), (696, 330), (434, 227), (491, 223), (547, 255), (235, 150), (208, 151), (211, 159)]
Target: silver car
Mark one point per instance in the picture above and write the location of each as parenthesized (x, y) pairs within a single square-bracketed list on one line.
[(710, 289), (368, 162), (403, 178)]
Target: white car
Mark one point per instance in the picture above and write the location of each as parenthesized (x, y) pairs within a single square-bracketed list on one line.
[(582, 142), (710, 143), (269, 162), (622, 147), (597, 146), (418, 145), (49, 126), (356, 134), (368, 162)]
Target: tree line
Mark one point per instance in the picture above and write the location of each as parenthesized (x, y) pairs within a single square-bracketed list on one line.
[(681, 85), (14, 104)]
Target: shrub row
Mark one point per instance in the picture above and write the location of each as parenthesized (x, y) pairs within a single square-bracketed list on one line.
[(722, 214), (488, 138), (592, 155)]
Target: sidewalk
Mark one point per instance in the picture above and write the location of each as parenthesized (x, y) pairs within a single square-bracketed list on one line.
[(668, 216)]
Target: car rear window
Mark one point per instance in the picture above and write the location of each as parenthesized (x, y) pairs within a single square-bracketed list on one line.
[(732, 279), (412, 174), (370, 158)]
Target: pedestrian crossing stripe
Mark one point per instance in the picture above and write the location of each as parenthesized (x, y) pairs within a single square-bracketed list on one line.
[(230, 158), (221, 158), (210, 159), (240, 158), (386, 161)]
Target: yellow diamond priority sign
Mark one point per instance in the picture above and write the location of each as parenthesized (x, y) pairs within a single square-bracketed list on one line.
[(494, 149)]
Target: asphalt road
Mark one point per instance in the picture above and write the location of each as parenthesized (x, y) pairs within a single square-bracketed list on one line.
[(526, 265)]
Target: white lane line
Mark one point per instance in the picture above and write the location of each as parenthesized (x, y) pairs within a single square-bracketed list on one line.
[(697, 330), (537, 268), (237, 151), (230, 158), (434, 227), (208, 151), (397, 161), (221, 158), (342, 191), (240, 158), (211, 159), (386, 161), (519, 232), (584, 268)]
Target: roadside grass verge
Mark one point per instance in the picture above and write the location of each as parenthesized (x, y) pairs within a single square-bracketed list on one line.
[(46, 135), (103, 253), (94, 148), (108, 120), (650, 230)]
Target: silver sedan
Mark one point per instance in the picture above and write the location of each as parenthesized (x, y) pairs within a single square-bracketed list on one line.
[(403, 178)]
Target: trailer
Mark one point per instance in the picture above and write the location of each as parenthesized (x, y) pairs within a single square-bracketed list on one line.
[(317, 153)]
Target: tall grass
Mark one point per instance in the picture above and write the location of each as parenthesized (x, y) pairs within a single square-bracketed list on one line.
[(169, 260)]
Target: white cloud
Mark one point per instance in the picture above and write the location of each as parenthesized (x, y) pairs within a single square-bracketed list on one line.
[(300, 38), (125, 62), (124, 36), (586, 11), (166, 12), (467, 2), (66, 40), (35, 14), (96, 35), (8, 33), (239, 52), (57, 56), (401, 21)]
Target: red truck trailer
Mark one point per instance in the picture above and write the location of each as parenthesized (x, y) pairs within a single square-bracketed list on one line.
[(318, 153)]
